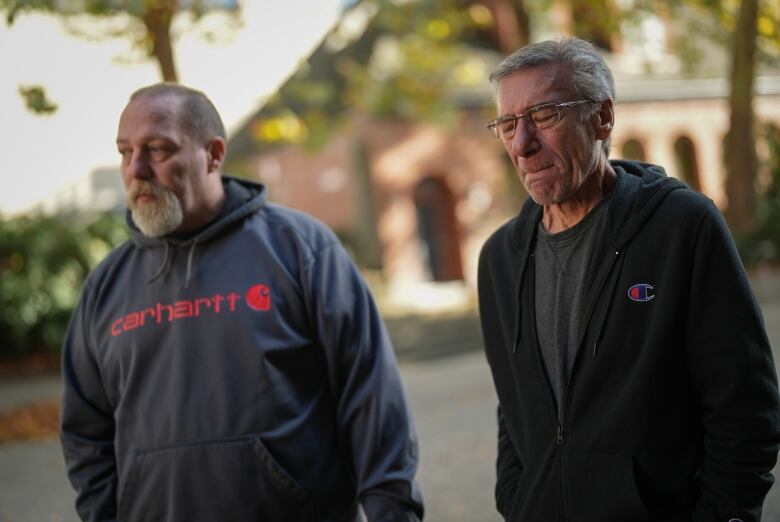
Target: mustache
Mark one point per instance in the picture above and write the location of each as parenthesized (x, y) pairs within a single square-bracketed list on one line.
[(144, 188)]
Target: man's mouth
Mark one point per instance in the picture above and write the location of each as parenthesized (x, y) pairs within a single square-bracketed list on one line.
[(145, 197), (536, 170), (144, 192)]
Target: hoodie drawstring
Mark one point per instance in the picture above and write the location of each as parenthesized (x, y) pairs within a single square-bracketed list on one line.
[(165, 266), (190, 257), (603, 319), (518, 296), (167, 261)]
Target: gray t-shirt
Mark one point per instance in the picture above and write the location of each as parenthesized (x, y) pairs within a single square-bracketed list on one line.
[(562, 262)]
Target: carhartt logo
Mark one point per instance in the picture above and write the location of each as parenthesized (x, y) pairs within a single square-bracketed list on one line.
[(641, 292), (258, 297)]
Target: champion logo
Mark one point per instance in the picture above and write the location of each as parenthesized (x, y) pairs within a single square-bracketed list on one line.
[(257, 297), (641, 292)]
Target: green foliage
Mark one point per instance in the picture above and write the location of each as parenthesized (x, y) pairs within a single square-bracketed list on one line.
[(36, 100), (94, 8), (762, 246), (43, 263), (415, 60), (146, 23), (13, 8), (697, 23), (135, 8), (409, 61)]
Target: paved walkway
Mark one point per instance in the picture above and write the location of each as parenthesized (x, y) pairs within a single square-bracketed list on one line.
[(452, 398)]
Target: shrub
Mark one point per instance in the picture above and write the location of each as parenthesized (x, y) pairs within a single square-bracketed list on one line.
[(761, 248), (43, 263)]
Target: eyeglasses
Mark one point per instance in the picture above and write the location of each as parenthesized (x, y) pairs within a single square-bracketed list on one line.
[(539, 117)]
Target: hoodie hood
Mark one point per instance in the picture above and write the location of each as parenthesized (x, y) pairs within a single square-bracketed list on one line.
[(639, 189), (242, 198)]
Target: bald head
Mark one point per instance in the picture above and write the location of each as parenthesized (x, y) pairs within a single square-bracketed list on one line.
[(195, 112)]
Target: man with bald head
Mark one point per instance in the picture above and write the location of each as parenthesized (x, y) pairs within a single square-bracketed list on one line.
[(634, 376), (227, 363)]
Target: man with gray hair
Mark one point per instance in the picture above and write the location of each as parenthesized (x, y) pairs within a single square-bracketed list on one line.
[(227, 363), (634, 376)]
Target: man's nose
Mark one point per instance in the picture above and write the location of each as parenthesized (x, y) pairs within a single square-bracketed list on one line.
[(524, 143), (138, 166)]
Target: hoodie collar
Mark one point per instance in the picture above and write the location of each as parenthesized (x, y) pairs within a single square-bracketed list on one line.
[(242, 197), (639, 189)]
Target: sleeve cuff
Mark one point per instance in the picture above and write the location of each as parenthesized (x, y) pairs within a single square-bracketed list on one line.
[(383, 508)]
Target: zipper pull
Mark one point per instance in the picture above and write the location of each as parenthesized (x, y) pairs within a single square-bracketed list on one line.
[(559, 438), (514, 348), (594, 347)]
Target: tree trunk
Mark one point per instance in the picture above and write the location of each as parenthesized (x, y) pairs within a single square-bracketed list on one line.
[(740, 146), (158, 26), (523, 23), (513, 26), (367, 245)]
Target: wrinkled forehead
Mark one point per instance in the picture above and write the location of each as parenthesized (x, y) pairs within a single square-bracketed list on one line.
[(526, 88)]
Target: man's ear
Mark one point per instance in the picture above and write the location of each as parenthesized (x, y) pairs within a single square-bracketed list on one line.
[(604, 120), (216, 149)]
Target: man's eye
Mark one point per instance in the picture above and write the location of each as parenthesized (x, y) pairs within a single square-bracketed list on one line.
[(158, 153), (507, 126), (544, 115), (125, 154)]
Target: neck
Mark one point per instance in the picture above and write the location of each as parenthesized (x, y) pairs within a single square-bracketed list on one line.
[(208, 208), (562, 216)]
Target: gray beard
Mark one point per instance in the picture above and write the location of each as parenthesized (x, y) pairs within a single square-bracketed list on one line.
[(156, 219)]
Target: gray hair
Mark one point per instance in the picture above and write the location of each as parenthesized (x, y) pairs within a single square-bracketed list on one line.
[(196, 113), (590, 77)]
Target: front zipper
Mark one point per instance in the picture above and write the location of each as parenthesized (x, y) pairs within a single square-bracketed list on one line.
[(560, 432), (591, 307), (534, 336), (560, 439)]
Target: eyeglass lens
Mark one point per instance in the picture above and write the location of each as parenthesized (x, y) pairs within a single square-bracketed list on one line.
[(538, 117)]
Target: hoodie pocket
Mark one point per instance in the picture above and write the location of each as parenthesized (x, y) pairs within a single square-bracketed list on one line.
[(602, 488), (233, 479)]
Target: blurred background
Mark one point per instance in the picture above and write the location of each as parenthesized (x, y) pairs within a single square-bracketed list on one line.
[(370, 115)]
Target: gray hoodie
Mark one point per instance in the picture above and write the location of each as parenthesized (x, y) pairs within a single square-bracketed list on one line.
[(241, 373)]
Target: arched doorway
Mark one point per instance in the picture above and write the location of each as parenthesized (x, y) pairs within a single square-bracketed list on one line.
[(437, 228), (633, 149), (685, 158)]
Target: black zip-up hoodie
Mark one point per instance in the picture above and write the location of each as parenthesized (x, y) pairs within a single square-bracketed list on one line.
[(238, 374), (672, 412)]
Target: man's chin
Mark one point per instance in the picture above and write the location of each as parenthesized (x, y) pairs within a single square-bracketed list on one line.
[(156, 215), (540, 191), (155, 226)]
